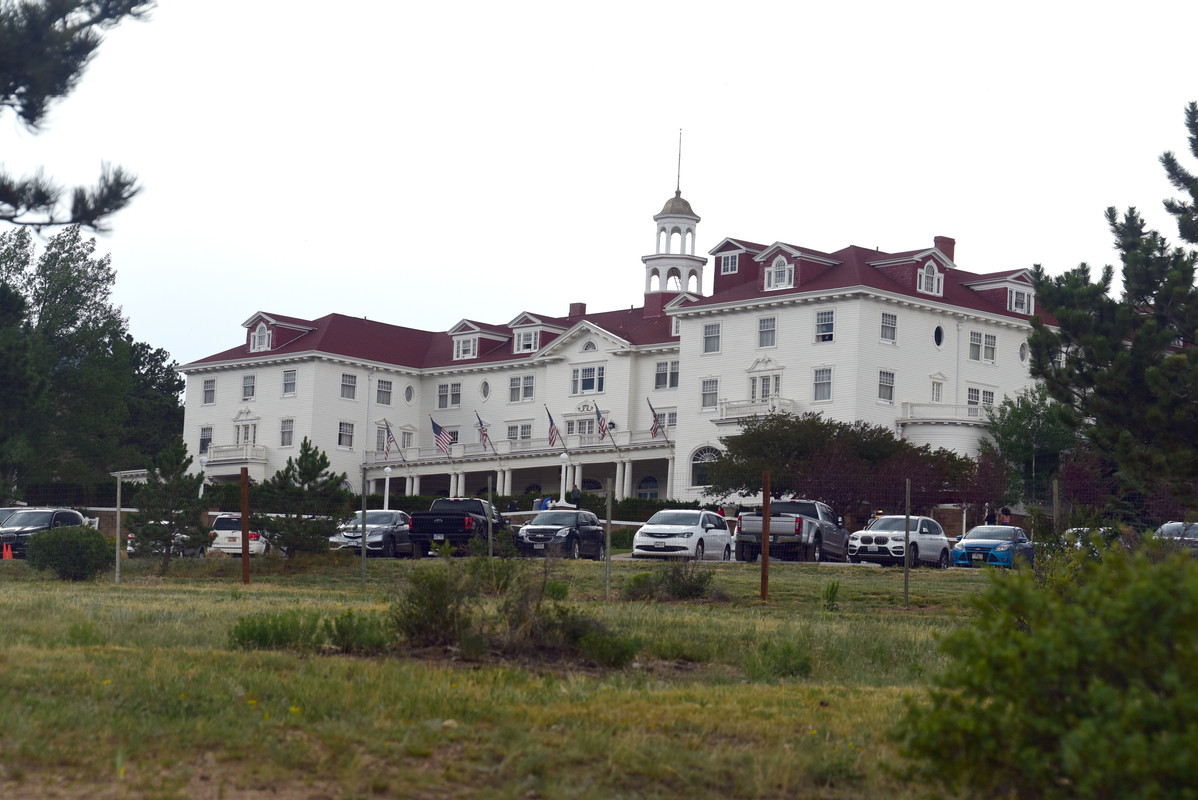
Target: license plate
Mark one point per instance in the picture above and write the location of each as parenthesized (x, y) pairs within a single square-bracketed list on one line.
[(873, 548), (231, 538), (979, 556), (538, 546), (438, 537), (658, 545)]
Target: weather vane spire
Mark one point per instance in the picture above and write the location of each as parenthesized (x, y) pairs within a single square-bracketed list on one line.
[(678, 187)]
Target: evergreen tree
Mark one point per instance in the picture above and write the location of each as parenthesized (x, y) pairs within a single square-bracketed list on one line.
[(44, 49), (169, 503), (1183, 180), (1125, 369), (1030, 436), (308, 499)]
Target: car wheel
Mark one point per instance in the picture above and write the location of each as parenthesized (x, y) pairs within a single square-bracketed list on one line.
[(699, 550), (727, 552), (943, 562), (913, 556), (600, 552), (574, 551), (388, 548), (817, 551)]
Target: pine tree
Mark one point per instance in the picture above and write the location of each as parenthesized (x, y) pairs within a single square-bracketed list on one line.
[(1125, 369), (309, 499), (169, 503)]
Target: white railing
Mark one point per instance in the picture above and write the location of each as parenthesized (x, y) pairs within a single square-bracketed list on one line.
[(731, 409), (236, 452), (932, 412)]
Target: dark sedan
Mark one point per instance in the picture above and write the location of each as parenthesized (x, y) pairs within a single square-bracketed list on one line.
[(22, 524), (993, 545), (569, 534), (387, 534)]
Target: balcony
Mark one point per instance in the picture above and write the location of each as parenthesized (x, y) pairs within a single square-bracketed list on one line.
[(522, 448), (736, 410), (225, 461), (933, 413)]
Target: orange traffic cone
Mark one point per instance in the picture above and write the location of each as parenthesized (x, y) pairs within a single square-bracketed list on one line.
[(7, 551)]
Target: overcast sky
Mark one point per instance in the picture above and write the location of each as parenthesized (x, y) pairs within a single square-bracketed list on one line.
[(422, 162)]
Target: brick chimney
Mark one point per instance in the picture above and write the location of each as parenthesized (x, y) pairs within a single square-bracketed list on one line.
[(946, 245), (578, 309)]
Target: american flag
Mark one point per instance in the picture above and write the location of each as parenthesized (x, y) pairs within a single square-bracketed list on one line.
[(602, 424), (390, 441), (443, 437), (482, 431), (552, 429), (655, 428)]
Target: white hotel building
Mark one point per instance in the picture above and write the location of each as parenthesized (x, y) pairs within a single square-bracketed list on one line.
[(906, 340)]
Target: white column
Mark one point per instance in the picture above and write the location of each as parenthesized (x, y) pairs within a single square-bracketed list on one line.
[(577, 479), (565, 466), (669, 493), (628, 479), (415, 485), (619, 480)]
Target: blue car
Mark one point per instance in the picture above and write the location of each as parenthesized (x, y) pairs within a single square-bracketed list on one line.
[(992, 545)]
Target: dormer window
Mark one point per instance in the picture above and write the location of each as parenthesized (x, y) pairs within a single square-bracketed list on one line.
[(931, 281), (526, 341), (780, 274), (260, 338), (1019, 301), (589, 347), (465, 347), (728, 264)]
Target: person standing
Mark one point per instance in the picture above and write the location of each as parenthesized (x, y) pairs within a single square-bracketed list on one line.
[(989, 515), (1004, 516)]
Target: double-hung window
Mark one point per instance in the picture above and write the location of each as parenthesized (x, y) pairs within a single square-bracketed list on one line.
[(205, 438), (527, 341), (349, 386), (520, 434), (767, 331), (286, 433), (889, 328), (449, 395), (465, 347), (247, 387), (710, 391), (288, 383), (345, 434), (822, 384), (728, 264), (666, 376), (991, 344), (1019, 301), (586, 380), (975, 345), (763, 387), (825, 322), (711, 337), (384, 393), (886, 386), (209, 391), (520, 388)]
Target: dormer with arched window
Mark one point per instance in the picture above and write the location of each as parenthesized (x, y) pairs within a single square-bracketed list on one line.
[(260, 338), (780, 274), (931, 280)]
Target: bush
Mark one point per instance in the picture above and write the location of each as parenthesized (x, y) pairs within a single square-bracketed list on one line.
[(678, 580), (1081, 689), (777, 659), (307, 631), (73, 553), (435, 608)]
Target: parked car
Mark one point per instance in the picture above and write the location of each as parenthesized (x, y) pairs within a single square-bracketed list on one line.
[(686, 533), (387, 534), (227, 537), (6, 512), (182, 545), (884, 542), (568, 533), (25, 522), (454, 521), (1182, 535), (804, 530), (993, 545)]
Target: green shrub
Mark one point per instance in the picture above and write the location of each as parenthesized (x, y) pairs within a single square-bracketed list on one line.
[(641, 586), (557, 590), (777, 659), (358, 633), (286, 630), (1081, 690), (435, 608), (607, 649), (73, 553), (831, 593), (686, 580)]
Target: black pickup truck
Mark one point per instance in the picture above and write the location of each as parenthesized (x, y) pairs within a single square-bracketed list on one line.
[(453, 521)]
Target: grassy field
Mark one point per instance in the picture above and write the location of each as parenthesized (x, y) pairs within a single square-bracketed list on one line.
[(133, 690)]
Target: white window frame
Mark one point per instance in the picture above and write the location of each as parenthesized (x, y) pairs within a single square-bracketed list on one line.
[(889, 332), (937, 391), (886, 387), (676, 327), (780, 275), (449, 395), (287, 432), (579, 379), (349, 386), (405, 439), (729, 263), (989, 348), (763, 386), (825, 326), (526, 341), (975, 346), (704, 455), (767, 332), (709, 394), (520, 435), (345, 435), (821, 377), (1020, 301), (973, 399), (711, 337), (665, 375), (260, 338), (209, 391), (383, 392), (289, 378), (465, 347), (205, 438), (930, 280), (247, 388), (667, 419)]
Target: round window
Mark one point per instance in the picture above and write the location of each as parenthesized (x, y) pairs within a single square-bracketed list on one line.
[(938, 335), (1023, 352), (409, 393), (485, 389)]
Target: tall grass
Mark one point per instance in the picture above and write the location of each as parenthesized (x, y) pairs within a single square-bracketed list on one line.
[(136, 685)]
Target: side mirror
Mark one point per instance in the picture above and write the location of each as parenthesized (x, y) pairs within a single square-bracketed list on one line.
[(840, 521)]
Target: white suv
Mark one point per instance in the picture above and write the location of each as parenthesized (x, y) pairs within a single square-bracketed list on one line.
[(882, 542), (226, 530)]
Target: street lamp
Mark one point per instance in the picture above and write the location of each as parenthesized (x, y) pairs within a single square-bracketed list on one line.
[(565, 457), (387, 488)]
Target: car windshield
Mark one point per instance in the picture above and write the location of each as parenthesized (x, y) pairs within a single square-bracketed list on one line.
[(372, 518), (1000, 532), (675, 518), (28, 519), (894, 524), (1177, 530), (227, 524), (554, 518)]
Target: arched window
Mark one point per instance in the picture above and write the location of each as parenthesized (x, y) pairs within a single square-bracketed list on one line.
[(930, 280), (647, 488), (699, 461), (260, 338), (588, 347), (780, 275)]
